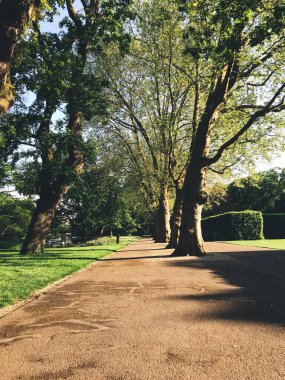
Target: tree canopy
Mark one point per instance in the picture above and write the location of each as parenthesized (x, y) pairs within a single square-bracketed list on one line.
[(157, 99)]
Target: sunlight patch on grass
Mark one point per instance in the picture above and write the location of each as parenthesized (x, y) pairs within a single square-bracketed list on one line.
[(266, 243), (22, 275)]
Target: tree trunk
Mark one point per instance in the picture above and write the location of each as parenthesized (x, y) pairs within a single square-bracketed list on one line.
[(41, 221), (162, 220), (191, 240), (52, 193), (14, 14), (175, 220), (152, 228)]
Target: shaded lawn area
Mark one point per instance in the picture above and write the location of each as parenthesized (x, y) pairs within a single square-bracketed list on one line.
[(266, 243), (21, 275)]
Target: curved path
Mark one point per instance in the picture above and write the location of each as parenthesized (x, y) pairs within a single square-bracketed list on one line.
[(140, 314)]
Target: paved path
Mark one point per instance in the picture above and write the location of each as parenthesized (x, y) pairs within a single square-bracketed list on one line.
[(139, 314)]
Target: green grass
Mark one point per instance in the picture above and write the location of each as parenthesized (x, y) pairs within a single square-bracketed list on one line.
[(266, 243), (22, 275)]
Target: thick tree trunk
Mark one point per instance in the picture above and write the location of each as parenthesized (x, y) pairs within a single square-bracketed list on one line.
[(51, 194), (14, 14), (191, 240), (41, 221), (175, 220), (162, 220)]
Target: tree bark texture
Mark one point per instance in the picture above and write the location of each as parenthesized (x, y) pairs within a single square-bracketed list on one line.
[(162, 220), (41, 220), (14, 14), (175, 220), (191, 240)]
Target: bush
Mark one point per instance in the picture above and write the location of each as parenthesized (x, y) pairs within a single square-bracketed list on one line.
[(274, 226), (242, 225)]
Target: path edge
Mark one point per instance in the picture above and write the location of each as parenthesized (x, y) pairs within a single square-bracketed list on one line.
[(46, 289)]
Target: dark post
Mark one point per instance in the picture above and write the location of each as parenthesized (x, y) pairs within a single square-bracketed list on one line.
[(118, 238)]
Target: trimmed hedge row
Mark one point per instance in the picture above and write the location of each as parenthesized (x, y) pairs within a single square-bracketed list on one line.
[(274, 226), (242, 225)]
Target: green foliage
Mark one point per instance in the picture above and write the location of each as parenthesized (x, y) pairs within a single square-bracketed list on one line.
[(217, 200), (247, 38), (95, 204), (5, 176), (15, 215), (244, 225), (98, 200), (52, 67), (60, 70), (274, 225), (153, 99), (260, 191), (263, 191), (150, 99), (215, 28)]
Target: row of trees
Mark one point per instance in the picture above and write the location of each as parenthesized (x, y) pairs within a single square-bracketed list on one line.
[(98, 203), (181, 90)]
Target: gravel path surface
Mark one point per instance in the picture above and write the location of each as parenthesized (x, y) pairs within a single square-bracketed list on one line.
[(140, 314)]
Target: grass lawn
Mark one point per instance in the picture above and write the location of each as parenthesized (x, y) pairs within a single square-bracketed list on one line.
[(266, 243), (21, 275)]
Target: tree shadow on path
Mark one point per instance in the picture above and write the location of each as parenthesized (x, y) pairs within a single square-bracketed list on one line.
[(258, 278)]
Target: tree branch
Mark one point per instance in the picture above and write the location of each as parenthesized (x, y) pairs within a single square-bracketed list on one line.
[(260, 113), (73, 14)]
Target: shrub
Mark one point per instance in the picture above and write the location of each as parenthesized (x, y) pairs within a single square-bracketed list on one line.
[(241, 225), (274, 226)]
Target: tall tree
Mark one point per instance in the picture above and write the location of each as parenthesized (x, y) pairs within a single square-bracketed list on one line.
[(55, 69), (239, 47), (150, 112)]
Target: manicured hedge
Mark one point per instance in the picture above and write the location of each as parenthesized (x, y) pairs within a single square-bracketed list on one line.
[(274, 226), (243, 225)]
